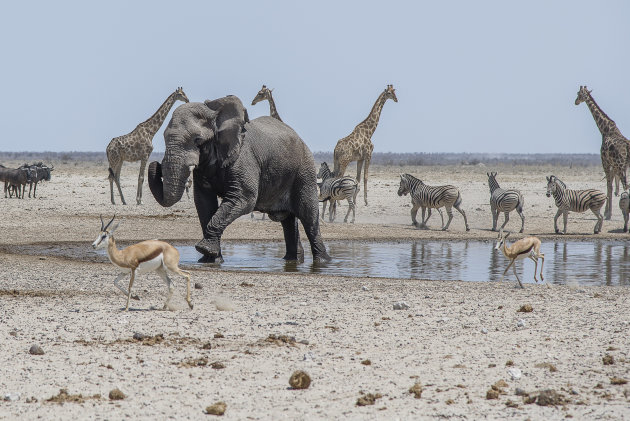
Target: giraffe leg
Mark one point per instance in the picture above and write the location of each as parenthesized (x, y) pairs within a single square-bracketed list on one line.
[(143, 165), (608, 210), (359, 168), (365, 179)]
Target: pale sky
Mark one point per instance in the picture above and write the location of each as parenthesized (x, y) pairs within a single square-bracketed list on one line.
[(470, 76)]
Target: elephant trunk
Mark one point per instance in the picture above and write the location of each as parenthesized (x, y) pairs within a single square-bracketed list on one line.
[(167, 181)]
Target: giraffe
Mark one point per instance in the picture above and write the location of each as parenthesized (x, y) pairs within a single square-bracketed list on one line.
[(137, 146), (265, 94), (358, 146), (615, 150)]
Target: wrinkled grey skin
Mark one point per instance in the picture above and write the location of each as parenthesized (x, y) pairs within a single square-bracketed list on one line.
[(260, 165)]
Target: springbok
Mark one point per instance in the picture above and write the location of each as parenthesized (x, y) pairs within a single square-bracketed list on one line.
[(146, 256), (525, 247)]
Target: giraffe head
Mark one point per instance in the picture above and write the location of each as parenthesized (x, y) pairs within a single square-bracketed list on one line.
[(390, 93), (582, 95), (180, 95), (263, 94)]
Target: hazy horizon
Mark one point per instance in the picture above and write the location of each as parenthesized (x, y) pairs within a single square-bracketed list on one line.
[(480, 77)]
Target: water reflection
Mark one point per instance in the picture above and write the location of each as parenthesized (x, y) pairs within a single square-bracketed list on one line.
[(566, 262)]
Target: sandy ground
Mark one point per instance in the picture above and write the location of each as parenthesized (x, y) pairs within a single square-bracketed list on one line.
[(456, 339)]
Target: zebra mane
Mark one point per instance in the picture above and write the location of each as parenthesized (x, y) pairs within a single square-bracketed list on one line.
[(409, 177), (557, 181)]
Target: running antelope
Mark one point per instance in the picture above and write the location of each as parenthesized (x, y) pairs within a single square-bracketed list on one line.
[(525, 247), (146, 256)]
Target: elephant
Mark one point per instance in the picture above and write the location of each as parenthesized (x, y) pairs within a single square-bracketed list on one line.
[(260, 165)]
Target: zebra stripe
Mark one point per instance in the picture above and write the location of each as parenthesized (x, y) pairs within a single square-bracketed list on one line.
[(568, 200), (504, 201), (431, 197)]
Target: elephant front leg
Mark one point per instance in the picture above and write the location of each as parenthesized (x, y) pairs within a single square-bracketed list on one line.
[(206, 203), (295, 251), (229, 210)]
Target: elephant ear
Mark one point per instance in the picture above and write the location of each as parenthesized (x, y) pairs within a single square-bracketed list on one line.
[(230, 122)]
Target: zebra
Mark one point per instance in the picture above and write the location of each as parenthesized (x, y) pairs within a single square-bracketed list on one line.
[(424, 196), (575, 201), (334, 189), (504, 201)]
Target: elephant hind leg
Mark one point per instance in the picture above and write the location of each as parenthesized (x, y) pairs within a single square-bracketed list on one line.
[(295, 251)]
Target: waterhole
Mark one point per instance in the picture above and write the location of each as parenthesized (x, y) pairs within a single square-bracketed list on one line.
[(603, 262)]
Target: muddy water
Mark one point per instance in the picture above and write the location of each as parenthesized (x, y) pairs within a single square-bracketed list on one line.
[(566, 262), (571, 262)]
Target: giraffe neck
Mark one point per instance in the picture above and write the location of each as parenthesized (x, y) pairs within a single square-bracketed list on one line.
[(153, 124), (604, 123), (371, 121), (272, 108)]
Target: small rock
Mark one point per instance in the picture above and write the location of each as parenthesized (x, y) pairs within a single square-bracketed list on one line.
[(139, 336), (303, 341), (12, 397), (492, 394), (42, 258), (515, 373), (198, 285), (416, 390), (484, 330), (217, 365), (618, 380), (300, 380), (520, 392), (525, 308), (364, 288), (521, 323), (217, 408), (116, 395), (218, 336), (401, 305), (36, 350), (366, 362), (608, 359), (368, 399), (309, 356), (550, 397)]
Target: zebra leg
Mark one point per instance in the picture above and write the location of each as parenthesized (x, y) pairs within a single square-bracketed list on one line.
[(428, 216), (460, 210), (423, 224), (507, 218), (600, 220), (332, 211), (565, 218), (414, 212), (555, 221), (495, 217), (522, 215), (626, 214), (441, 216), (449, 212), (515, 274), (323, 210)]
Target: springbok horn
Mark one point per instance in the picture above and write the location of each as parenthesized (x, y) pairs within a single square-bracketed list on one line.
[(102, 224), (109, 223)]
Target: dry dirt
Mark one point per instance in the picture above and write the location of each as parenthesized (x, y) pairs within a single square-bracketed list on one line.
[(456, 340)]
